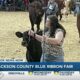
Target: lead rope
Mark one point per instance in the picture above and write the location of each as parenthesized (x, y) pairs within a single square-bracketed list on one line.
[(43, 52)]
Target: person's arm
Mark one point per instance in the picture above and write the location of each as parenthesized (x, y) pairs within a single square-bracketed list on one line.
[(57, 40), (56, 8), (36, 36), (54, 41)]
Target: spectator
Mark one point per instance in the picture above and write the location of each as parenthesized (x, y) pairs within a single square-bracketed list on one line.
[(1, 4), (26, 3), (52, 8)]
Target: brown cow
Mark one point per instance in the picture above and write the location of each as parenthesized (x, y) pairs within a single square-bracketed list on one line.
[(35, 14), (78, 16), (78, 24), (61, 5)]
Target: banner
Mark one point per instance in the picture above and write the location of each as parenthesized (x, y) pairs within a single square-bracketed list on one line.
[(36, 66)]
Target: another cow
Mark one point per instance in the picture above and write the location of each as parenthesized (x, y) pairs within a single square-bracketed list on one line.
[(35, 14), (77, 9), (78, 25), (61, 5), (34, 49)]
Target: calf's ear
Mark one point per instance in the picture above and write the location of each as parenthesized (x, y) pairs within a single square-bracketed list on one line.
[(19, 34)]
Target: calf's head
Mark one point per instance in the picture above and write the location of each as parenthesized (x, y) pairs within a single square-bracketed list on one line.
[(24, 36), (27, 40)]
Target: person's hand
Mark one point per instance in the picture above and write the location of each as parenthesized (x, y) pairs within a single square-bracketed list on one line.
[(31, 33), (44, 38)]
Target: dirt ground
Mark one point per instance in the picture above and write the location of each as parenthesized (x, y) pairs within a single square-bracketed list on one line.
[(10, 45)]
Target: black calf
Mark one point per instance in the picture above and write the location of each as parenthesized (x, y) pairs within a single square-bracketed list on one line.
[(34, 49)]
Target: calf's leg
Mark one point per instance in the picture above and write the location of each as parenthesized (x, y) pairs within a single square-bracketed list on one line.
[(32, 26), (29, 57), (38, 26), (32, 23)]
